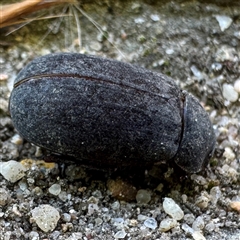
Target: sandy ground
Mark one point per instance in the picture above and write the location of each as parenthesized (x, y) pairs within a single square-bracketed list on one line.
[(182, 39)]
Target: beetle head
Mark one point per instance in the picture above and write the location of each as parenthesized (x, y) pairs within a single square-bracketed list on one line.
[(198, 138)]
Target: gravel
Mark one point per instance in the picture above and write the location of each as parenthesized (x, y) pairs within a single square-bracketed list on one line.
[(197, 44)]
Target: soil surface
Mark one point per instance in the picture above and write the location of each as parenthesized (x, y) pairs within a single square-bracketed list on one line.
[(197, 43)]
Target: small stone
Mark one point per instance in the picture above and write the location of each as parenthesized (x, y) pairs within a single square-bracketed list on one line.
[(66, 217), (64, 196), (12, 170), (139, 20), (210, 227), (230, 172), (229, 93), (122, 190), (115, 205), (120, 234), (198, 224), (198, 236), (55, 189), (226, 53), (189, 218), (46, 217), (143, 196), (167, 224), (3, 76), (150, 223), (229, 154), (4, 197), (16, 139), (198, 74), (202, 201), (169, 51), (92, 207), (216, 66), (187, 229), (224, 22), (155, 17), (96, 46), (172, 209), (199, 179), (141, 217), (235, 206), (98, 221), (215, 194), (76, 236), (34, 235), (237, 86), (118, 222)]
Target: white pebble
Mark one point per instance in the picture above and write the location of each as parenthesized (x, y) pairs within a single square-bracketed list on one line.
[(150, 223), (229, 154), (229, 93), (141, 217), (16, 139), (55, 189), (120, 234), (92, 207), (198, 224), (237, 86), (224, 22), (172, 209), (12, 170), (196, 72), (34, 235), (215, 194), (155, 17), (187, 229), (46, 217), (198, 236), (167, 224)]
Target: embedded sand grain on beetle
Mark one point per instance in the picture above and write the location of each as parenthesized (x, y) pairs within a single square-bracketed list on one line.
[(109, 113)]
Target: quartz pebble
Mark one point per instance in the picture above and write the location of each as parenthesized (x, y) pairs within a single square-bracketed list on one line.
[(215, 194), (92, 207), (66, 217), (237, 86), (143, 196), (224, 22), (34, 235), (120, 234), (55, 189), (12, 170), (167, 224), (150, 223), (198, 224), (198, 236), (46, 217), (186, 228), (172, 209), (229, 93), (115, 205)]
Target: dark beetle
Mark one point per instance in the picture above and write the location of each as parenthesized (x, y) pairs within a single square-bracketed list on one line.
[(109, 113)]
